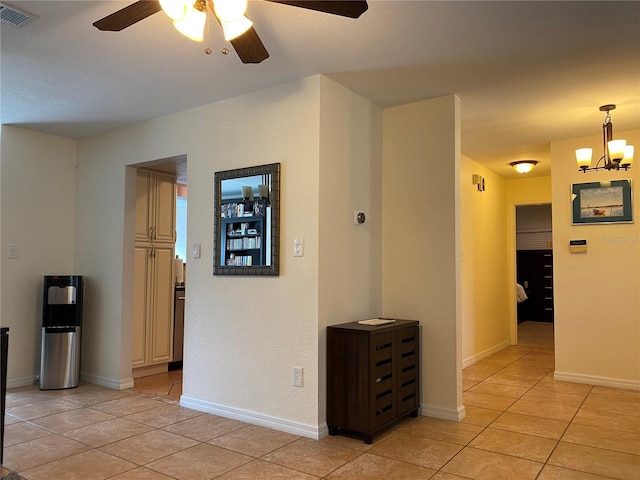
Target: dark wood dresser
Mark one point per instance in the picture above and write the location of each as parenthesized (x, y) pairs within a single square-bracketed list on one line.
[(373, 376)]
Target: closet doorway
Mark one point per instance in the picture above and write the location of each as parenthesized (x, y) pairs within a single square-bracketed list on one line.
[(534, 269)]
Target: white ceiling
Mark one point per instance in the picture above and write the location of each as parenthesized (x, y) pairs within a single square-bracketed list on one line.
[(527, 73)]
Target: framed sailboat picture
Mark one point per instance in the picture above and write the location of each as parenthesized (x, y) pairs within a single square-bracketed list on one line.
[(602, 202)]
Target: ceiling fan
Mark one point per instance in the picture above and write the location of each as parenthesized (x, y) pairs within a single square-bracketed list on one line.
[(189, 17)]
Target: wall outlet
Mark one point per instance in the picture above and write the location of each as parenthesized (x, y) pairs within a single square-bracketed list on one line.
[(298, 373)]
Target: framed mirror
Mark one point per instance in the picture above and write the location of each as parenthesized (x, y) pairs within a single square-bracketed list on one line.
[(246, 229)]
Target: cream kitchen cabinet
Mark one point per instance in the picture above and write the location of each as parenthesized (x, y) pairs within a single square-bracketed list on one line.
[(155, 207), (154, 277), (152, 332)]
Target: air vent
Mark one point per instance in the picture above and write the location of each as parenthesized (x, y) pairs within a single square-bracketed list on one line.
[(14, 16)]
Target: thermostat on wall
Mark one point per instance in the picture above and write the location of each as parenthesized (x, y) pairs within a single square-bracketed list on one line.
[(578, 246)]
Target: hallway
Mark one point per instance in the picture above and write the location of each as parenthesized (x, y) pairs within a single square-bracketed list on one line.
[(521, 424), (535, 334)]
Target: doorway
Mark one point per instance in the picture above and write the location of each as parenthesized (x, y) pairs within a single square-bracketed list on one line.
[(159, 349), (534, 269)]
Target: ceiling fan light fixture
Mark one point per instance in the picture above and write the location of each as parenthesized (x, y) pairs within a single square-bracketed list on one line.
[(192, 24), (524, 166), (174, 9), (245, 40), (236, 28), (229, 10)]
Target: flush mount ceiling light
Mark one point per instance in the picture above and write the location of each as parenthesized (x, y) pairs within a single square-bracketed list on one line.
[(524, 166), (617, 154)]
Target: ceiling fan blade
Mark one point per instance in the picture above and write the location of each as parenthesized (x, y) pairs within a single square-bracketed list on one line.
[(249, 47), (344, 8), (128, 16)]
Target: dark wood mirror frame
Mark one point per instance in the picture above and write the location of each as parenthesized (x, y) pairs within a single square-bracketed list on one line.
[(264, 207)]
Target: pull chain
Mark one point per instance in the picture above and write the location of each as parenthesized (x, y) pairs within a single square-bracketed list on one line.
[(207, 29)]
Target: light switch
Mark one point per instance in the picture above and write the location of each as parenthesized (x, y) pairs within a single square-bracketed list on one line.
[(298, 247), (14, 251), (196, 250)]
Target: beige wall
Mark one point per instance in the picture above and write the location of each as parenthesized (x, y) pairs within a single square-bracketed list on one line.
[(597, 294), (486, 293), (529, 191), (38, 188), (421, 241), (244, 335), (350, 178)]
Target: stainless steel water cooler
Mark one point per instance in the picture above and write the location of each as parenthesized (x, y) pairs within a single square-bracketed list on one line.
[(61, 332)]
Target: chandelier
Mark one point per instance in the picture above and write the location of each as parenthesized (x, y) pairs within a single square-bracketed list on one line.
[(617, 154)]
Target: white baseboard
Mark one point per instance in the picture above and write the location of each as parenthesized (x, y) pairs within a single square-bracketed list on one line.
[(487, 353), (112, 383), (596, 380), (254, 418), (443, 413), (106, 382), (22, 381), (323, 431)]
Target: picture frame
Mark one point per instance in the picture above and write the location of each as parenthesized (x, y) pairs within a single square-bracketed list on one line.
[(602, 202)]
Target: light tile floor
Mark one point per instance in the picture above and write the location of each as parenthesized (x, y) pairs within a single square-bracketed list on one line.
[(521, 424)]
